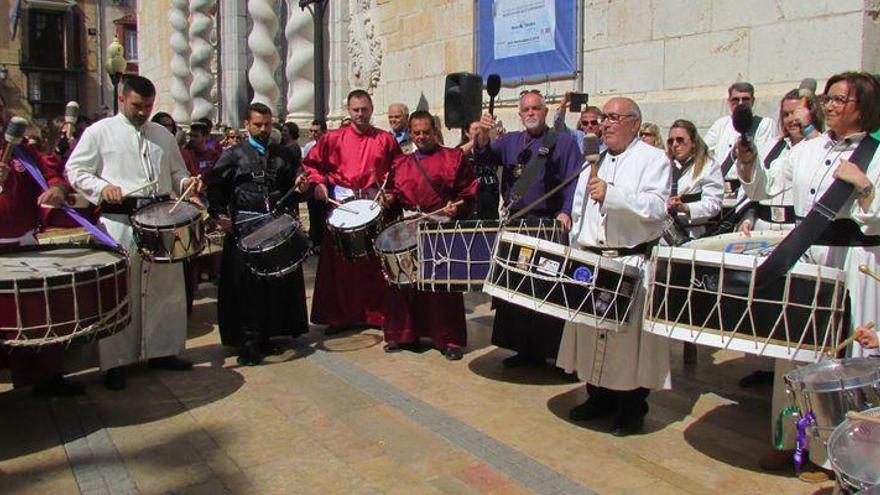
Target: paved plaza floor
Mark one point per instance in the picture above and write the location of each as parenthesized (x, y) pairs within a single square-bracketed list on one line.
[(338, 415)]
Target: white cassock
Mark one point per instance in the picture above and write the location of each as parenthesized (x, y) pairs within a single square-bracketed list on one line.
[(710, 186), (633, 213), (114, 152), (778, 202), (806, 173), (722, 137)]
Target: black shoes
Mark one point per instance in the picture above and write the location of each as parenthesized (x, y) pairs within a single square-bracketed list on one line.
[(624, 426), (453, 353), (57, 386), (115, 378), (591, 409), (172, 363)]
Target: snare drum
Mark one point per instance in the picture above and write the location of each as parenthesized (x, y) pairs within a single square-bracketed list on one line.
[(163, 236), (560, 281), (274, 245), (797, 317), (830, 388), (854, 452), (396, 247), (455, 256), (60, 295), (353, 227)]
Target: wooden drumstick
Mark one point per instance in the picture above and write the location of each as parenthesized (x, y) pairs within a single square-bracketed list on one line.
[(849, 340), (189, 189), (854, 415), (146, 186), (867, 271), (438, 210), (339, 205)]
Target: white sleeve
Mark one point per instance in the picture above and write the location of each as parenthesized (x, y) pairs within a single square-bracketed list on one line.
[(84, 166), (711, 138), (711, 194), (648, 202), (767, 183)]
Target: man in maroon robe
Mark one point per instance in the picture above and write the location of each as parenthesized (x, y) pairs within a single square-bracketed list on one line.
[(19, 218), (431, 179), (350, 161)]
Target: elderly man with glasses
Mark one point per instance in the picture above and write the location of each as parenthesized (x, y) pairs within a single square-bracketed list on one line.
[(722, 137), (535, 337), (619, 214)]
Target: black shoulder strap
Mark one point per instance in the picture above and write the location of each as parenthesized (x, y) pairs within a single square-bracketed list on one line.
[(775, 152), (835, 199), (534, 167), (431, 183)]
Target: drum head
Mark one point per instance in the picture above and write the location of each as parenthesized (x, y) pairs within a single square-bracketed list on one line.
[(270, 233), (40, 264), (354, 214), (836, 374), (400, 236), (760, 243), (160, 214), (854, 450)]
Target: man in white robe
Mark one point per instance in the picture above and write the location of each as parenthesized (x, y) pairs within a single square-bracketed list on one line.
[(128, 155), (620, 214), (721, 138)]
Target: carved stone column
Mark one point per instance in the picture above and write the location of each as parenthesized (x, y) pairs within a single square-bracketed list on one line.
[(261, 44), (364, 50), (177, 17), (201, 24), (299, 69)]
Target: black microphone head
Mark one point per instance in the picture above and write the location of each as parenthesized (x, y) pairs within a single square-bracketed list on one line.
[(71, 112), (15, 130), (807, 88), (742, 119), (591, 147), (493, 84)]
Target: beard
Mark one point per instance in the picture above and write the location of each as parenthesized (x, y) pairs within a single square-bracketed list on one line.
[(532, 124)]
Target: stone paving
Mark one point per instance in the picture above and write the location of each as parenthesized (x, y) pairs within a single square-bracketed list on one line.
[(338, 415)]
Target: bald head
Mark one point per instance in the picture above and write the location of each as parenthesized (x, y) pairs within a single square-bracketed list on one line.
[(533, 112), (623, 117), (398, 115)]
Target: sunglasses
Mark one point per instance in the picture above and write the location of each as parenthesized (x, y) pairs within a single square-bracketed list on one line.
[(593, 122), (675, 140), (647, 134)]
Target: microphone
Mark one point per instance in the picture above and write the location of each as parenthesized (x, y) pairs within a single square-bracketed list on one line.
[(71, 114), (742, 121), (493, 87), (807, 90), (591, 153)]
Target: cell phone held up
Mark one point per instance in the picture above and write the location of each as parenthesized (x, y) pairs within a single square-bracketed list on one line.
[(578, 102)]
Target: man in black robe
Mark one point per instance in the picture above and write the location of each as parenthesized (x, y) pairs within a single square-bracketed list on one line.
[(248, 181)]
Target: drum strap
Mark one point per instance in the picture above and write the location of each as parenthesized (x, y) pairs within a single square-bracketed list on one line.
[(533, 168), (437, 189), (835, 199), (678, 172), (775, 152)]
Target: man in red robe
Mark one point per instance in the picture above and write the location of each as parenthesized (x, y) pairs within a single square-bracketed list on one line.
[(19, 218), (430, 179), (350, 161)]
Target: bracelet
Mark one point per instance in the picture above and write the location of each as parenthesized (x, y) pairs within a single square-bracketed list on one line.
[(806, 131)]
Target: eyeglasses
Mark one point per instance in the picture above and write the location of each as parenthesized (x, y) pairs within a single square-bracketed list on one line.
[(616, 118), (591, 122), (838, 100), (647, 134), (740, 99), (675, 140), (530, 91)]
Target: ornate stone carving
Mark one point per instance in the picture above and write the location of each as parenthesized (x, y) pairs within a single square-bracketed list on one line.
[(300, 68), (261, 43), (201, 25), (177, 17), (364, 50)]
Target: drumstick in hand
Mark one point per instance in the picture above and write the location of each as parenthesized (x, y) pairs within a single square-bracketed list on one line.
[(339, 205), (438, 210), (849, 340), (146, 186), (189, 188)]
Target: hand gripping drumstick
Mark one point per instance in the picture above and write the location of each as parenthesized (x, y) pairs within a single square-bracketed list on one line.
[(849, 340), (185, 194), (426, 215)]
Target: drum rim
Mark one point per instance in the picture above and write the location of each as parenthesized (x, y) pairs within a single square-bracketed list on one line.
[(239, 241), (610, 263), (794, 377), (62, 279), (840, 431), (744, 262), (388, 227), (361, 226), (182, 223)]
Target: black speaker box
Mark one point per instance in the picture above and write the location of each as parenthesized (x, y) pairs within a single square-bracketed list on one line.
[(462, 99)]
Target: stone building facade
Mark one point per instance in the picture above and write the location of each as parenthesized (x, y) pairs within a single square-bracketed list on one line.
[(675, 57)]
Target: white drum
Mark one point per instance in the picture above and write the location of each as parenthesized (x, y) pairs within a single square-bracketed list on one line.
[(691, 297), (354, 225), (560, 281), (854, 452)]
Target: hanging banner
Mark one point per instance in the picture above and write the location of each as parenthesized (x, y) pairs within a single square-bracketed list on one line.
[(526, 40)]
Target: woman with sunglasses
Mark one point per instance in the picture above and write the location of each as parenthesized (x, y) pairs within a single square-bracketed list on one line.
[(797, 123), (650, 134), (698, 187), (851, 102)]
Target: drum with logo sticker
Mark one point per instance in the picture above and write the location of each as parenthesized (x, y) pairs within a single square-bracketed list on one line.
[(798, 317), (561, 281)]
